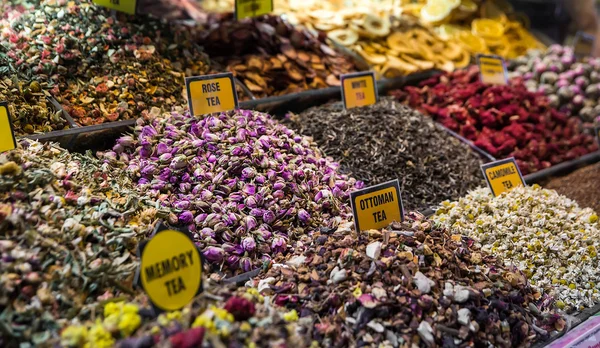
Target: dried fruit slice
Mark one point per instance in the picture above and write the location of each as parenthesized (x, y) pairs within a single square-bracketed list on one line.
[(377, 26), (343, 36), (435, 12), (472, 43), (398, 42), (447, 31), (464, 60), (371, 58), (468, 6), (487, 28)]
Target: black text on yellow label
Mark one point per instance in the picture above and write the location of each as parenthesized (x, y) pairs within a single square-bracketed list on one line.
[(502, 176), (583, 44), (7, 134), (377, 206), (211, 93), (359, 89), (492, 70), (252, 8), (170, 269), (598, 134), (127, 6)]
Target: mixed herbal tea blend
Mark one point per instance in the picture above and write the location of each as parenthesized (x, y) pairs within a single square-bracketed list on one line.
[(581, 186), (243, 184), (505, 121), (98, 68), (272, 57), (388, 140), (547, 236)]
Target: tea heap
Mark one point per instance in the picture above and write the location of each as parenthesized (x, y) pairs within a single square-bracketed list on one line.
[(271, 57), (100, 69), (388, 140), (407, 285), (581, 186), (553, 241), (68, 238), (245, 185), (505, 121)]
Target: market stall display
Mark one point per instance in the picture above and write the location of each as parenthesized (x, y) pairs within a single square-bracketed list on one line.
[(389, 141), (581, 186), (271, 57), (505, 121), (242, 183), (547, 236), (98, 68), (572, 86)]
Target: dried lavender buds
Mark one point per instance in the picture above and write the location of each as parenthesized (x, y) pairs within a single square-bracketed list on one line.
[(99, 69), (245, 185), (388, 140), (408, 285), (553, 241)]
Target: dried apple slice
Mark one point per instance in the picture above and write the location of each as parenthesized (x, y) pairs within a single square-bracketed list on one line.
[(377, 26), (344, 37)]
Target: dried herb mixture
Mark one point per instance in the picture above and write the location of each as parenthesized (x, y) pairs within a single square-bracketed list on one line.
[(388, 140), (581, 186)]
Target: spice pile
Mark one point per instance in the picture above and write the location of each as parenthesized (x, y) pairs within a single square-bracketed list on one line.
[(271, 57), (546, 235), (388, 140), (581, 186), (101, 69), (407, 285), (505, 121), (245, 185), (572, 87), (220, 316), (68, 238)]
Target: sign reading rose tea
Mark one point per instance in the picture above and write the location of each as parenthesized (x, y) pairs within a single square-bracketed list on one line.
[(583, 43), (252, 8), (7, 134), (211, 93), (170, 269), (502, 176), (359, 89), (492, 69), (377, 206), (127, 6)]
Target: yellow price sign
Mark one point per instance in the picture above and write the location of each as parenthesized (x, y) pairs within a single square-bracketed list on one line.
[(598, 134), (359, 89), (7, 133), (127, 6), (502, 176), (377, 206), (252, 8), (492, 69), (583, 44), (170, 269), (211, 93)]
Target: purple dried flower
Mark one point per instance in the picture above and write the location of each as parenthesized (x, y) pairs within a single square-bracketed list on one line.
[(186, 217), (213, 254), (268, 216), (278, 245), (249, 244), (303, 216)]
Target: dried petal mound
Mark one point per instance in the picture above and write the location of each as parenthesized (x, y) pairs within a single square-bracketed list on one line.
[(68, 238), (388, 140), (505, 121), (245, 185), (425, 287), (553, 241)]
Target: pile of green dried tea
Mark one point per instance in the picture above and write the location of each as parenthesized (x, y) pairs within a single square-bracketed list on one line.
[(546, 235), (581, 185), (388, 140), (98, 68), (69, 230)]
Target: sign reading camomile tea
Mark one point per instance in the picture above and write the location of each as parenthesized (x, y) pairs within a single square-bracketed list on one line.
[(170, 269), (359, 89), (7, 134), (377, 206), (127, 6), (502, 176), (492, 69)]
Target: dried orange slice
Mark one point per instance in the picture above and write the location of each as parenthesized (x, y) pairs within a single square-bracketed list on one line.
[(436, 11), (472, 43), (487, 28)]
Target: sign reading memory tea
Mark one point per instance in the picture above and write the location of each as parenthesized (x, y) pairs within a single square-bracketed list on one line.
[(503, 175), (7, 133), (211, 93), (170, 269), (359, 89), (127, 6), (583, 44), (252, 8), (377, 206), (492, 69)]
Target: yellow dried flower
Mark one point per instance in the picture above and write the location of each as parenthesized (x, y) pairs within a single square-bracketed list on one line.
[(128, 323), (291, 316), (73, 336), (99, 337)]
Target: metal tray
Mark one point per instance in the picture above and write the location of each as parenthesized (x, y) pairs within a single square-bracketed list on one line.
[(54, 135)]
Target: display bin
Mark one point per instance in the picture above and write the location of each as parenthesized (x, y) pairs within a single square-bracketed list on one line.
[(55, 136), (561, 169)]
